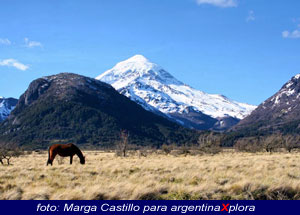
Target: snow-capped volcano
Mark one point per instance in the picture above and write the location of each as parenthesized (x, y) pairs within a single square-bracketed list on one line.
[(134, 69), (157, 90), (6, 106)]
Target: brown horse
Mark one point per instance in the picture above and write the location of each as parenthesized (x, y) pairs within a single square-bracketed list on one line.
[(64, 150)]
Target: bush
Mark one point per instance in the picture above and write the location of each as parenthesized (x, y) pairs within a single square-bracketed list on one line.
[(122, 146), (166, 149), (210, 143), (249, 144), (183, 150), (291, 142), (6, 153), (273, 142)]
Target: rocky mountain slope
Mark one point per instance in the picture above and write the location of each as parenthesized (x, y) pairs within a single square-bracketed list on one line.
[(280, 112), (156, 90), (69, 107), (6, 106)]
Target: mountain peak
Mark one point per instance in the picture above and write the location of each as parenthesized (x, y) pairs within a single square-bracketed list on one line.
[(137, 58), (280, 111), (135, 69), (74, 108), (136, 63), (156, 90)]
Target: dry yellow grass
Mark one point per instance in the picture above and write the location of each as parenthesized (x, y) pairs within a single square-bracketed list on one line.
[(228, 175)]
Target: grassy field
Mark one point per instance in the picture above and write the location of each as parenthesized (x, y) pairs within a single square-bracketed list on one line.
[(228, 175)]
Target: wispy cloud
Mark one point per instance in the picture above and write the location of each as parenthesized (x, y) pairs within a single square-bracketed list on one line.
[(251, 16), (13, 63), (5, 41), (293, 34), (219, 3), (31, 44)]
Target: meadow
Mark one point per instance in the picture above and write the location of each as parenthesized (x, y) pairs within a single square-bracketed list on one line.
[(227, 175)]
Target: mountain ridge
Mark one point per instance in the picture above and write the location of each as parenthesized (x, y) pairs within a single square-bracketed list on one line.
[(72, 108), (280, 111)]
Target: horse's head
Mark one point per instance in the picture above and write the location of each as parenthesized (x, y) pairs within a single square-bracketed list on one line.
[(82, 160)]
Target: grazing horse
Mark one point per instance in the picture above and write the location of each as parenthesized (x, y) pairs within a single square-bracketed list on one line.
[(64, 150)]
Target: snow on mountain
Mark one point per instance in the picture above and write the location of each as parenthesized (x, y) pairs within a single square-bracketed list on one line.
[(279, 112), (157, 90), (6, 106), (288, 90)]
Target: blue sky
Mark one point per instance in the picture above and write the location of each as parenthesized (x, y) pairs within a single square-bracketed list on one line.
[(244, 49)]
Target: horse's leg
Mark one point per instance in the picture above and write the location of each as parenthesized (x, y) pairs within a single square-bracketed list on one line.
[(51, 157), (71, 159), (49, 162), (48, 156)]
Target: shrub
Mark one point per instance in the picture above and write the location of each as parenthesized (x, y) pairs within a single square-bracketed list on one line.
[(122, 146), (273, 142), (249, 144), (6, 153), (183, 150), (210, 143), (166, 149), (291, 142)]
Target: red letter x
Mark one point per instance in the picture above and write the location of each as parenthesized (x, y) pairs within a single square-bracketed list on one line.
[(225, 207)]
